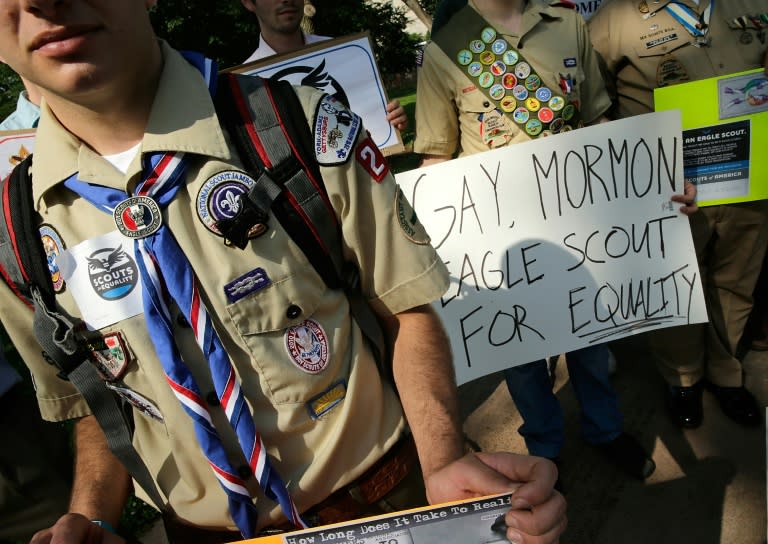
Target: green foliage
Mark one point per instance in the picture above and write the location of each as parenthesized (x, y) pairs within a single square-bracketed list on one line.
[(10, 87), (429, 6)]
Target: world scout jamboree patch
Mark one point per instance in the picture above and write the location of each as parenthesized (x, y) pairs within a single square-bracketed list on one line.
[(336, 130), (53, 246), (307, 346), (219, 198)]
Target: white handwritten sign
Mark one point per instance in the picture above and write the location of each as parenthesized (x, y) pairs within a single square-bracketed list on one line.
[(561, 242)]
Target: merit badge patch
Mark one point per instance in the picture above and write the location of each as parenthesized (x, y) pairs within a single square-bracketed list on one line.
[(219, 198), (409, 221), (138, 401), (336, 130), (327, 400), (248, 283), (371, 159), (307, 346), (53, 247), (110, 356)]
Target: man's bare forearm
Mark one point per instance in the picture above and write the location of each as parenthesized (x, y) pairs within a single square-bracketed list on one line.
[(424, 376), (102, 484)]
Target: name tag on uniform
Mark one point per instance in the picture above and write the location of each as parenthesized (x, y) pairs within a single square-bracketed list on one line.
[(104, 279)]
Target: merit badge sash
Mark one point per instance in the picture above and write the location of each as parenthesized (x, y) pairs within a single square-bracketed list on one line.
[(504, 76)]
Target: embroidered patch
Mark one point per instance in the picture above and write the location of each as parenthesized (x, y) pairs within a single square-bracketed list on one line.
[(248, 283), (307, 346), (570, 62), (138, 217), (138, 401), (219, 198), (670, 70), (336, 130), (111, 356), (327, 400), (371, 159), (408, 220), (661, 41), (53, 246)]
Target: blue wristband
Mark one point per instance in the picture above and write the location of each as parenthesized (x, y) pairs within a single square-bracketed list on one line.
[(104, 525)]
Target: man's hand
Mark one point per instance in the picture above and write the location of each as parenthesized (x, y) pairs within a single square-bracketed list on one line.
[(396, 115), (75, 529), (687, 199), (538, 514)]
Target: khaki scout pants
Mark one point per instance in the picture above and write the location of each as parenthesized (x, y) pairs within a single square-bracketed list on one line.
[(35, 468), (730, 245)]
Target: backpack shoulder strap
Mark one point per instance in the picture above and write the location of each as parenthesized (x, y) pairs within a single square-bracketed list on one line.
[(271, 135)]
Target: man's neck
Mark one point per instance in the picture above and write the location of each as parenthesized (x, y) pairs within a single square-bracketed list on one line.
[(282, 42), (502, 14), (113, 118)]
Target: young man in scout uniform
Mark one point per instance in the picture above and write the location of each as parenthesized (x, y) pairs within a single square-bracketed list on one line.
[(649, 44), (499, 72), (129, 137), (280, 25)]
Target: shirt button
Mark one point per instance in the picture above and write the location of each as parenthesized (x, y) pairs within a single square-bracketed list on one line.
[(212, 399), (293, 311), (244, 471), (486, 104)]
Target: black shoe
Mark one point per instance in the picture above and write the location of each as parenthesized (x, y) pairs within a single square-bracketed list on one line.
[(627, 453), (737, 403), (684, 404)]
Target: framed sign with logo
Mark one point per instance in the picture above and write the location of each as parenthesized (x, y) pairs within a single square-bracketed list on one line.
[(725, 125), (15, 146), (346, 69)]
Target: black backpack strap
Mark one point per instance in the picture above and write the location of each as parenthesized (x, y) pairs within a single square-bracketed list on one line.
[(271, 135), (65, 341)]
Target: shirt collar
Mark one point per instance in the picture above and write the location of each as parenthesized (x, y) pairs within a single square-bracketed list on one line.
[(182, 118)]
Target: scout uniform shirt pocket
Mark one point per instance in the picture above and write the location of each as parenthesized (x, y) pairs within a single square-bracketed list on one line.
[(296, 331), (482, 124), (654, 52)]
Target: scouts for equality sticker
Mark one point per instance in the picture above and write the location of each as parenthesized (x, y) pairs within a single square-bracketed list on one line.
[(336, 130), (307, 346), (53, 246), (409, 222)]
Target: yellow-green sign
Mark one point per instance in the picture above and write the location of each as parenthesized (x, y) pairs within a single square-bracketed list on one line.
[(725, 134)]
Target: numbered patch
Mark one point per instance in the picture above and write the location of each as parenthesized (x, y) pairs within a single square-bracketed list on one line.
[(53, 246), (409, 221), (336, 130), (307, 346), (371, 159)]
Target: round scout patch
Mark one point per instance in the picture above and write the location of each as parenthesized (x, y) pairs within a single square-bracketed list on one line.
[(522, 70), (568, 112), (532, 82), (497, 91), (557, 125), (499, 46), (487, 58), (485, 80), (488, 34), (669, 71), (464, 57), (508, 103), (219, 198), (509, 81), (137, 217), (745, 38), (556, 103), (307, 346), (533, 127), (521, 115), (546, 115), (475, 69), (476, 46), (543, 94), (532, 104), (409, 221), (510, 57), (520, 92), (53, 247), (498, 68)]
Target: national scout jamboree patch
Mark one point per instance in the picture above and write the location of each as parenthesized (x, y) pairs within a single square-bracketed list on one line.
[(219, 198)]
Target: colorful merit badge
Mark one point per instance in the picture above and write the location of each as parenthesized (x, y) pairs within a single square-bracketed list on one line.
[(138, 217), (307, 346), (219, 198), (110, 356), (53, 247)]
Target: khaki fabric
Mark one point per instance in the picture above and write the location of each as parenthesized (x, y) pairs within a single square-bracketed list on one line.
[(314, 456), (450, 109), (642, 54)]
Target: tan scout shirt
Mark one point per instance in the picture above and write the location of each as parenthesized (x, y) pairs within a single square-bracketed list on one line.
[(642, 54), (314, 456), (451, 110)]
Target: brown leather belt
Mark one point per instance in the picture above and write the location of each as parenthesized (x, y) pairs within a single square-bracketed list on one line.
[(349, 502)]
